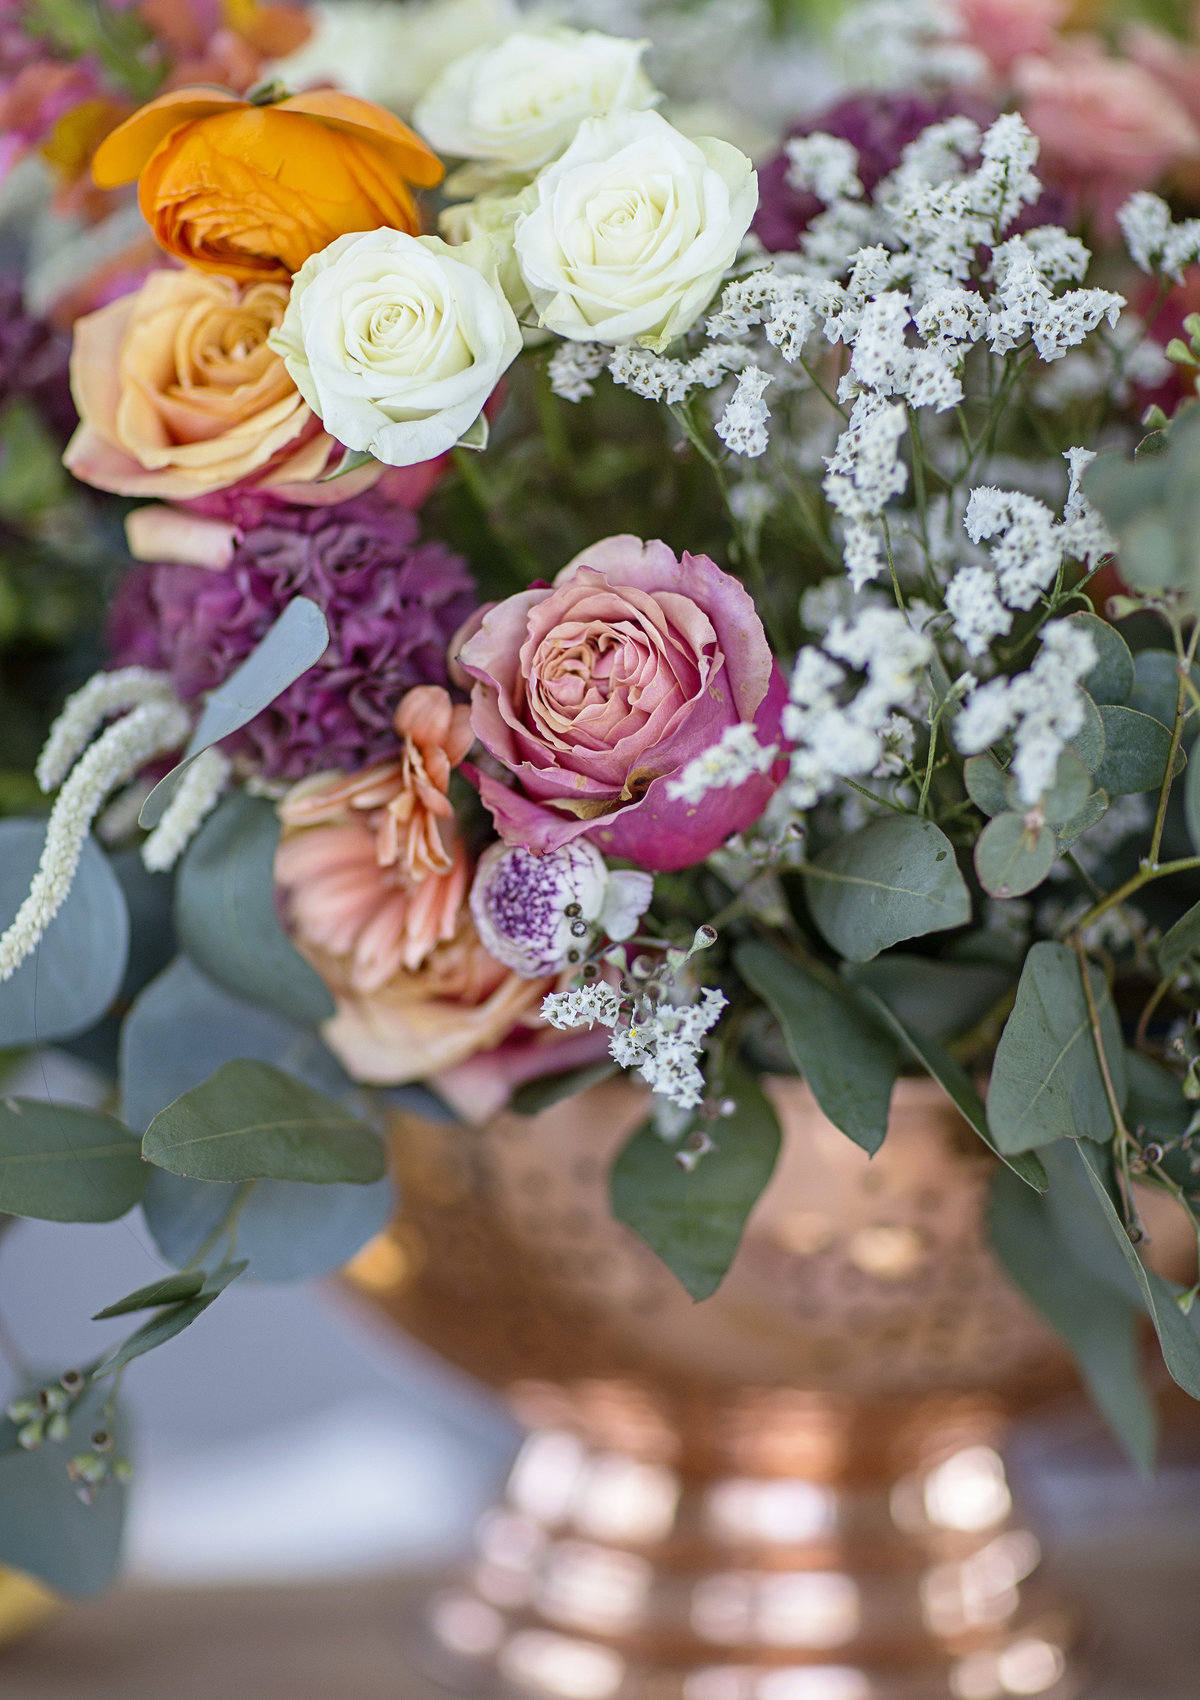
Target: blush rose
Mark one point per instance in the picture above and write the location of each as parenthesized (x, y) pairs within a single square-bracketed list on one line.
[(597, 690)]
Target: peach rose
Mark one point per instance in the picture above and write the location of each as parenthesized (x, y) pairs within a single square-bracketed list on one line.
[(179, 394), (252, 191), (1107, 126)]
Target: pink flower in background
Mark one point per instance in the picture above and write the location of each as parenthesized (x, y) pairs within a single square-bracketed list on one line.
[(595, 691), (1107, 126), (1173, 62), (1003, 30)]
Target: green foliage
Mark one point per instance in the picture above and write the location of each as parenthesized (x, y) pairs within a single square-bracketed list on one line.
[(251, 1121), (987, 783), (225, 913), (1012, 857), (932, 997), (168, 1290), (1092, 811), (1046, 1079), (838, 1047), (894, 879), (1112, 678), (1180, 942), (74, 974), (1088, 742), (1099, 1324), (171, 1319), (1152, 506), (1136, 751), (64, 1164), (538, 1095), (693, 1220), (1156, 686), (44, 1527)]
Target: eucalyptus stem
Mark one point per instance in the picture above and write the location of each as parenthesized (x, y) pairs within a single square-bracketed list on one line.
[(1144, 876), (1185, 659), (228, 1225)]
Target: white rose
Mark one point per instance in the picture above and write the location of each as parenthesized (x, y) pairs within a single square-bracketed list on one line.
[(633, 230), (396, 342), (518, 105)]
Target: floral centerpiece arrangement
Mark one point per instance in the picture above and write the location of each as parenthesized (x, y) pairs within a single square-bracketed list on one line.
[(591, 605)]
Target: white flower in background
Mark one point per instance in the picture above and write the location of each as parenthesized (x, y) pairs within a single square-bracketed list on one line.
[(902, 44), (396, 342), (391, 53), (516, 106), (491, 219), (973, 600), (1028, 549), (539, 914), (1154, 240), (822, 165), (633, 230), (1042, 708), (738, 757), (743, 425)]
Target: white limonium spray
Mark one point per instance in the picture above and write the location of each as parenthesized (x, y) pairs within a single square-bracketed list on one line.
[(197, 795), (1042, 709), (1155, 241), (664, 1042), (738, 757), (541, 914)]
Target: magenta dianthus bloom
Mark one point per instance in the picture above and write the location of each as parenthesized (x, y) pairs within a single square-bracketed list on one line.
[(392, 604), (595, 691)]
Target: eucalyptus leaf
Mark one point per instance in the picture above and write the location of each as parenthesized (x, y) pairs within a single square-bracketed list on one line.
[(1070, 790), (182, 1028), (987, 783), (170, 1289), (225, 913), (1181, 941), (1012, 857), (1156, 686), (538, 1095), (251, 1121), (288, 1230), (894, 879), (297, 640), (172, 1320), (61, 1163), (1098, 1324), (1088, 743), (1111, 679), (1155, 1104), (847, 1059), (694, 1222), (1191, 803), (958, 1086), (1136, 750), (75, 972), (1092, 811), (931, 997), (1046, 1080), (44, 1527)]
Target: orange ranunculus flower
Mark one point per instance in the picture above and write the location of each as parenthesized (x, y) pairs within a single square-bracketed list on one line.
[(179, 395), (251, 190)]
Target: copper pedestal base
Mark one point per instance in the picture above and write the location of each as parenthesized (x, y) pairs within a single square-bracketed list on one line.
[(766, 1546)]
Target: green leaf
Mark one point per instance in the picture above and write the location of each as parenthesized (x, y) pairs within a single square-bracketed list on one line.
[(166, 1324), (169, 1290), (225, 913), (894, 879), (1176, 1333), (61, 1163), (1088, 742), (251, 1120), (1098, 1324), (1156, 686), (1111, 679), (297, 640), (1012, 858), (1135, 752), (1046, 1080), (931, 997), (1092, 811), (1182, 941), (72, 977), (538, 1095), (44, 1527), (961, 1090), (987, 783), (694, 1222), (1067, 795), (1191, 803), (1156, 1102), (848, 1061)]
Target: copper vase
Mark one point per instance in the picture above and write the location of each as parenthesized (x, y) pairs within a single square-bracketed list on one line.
[(792, 1491)]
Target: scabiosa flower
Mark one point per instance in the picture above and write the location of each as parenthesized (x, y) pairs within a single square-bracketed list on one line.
[(392, 604), (539, 914)]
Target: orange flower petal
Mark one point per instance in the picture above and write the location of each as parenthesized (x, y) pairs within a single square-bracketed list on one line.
[(121, 155), (371, 123)]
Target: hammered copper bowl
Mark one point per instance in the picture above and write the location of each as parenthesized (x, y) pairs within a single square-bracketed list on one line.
[(788, 1492)]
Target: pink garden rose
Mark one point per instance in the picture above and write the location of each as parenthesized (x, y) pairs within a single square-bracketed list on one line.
[(1003, 30), (1107, 126), (594, 691)]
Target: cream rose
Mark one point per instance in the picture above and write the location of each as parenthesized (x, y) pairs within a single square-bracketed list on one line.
[(518, 105), (396, 342), (633, 229)]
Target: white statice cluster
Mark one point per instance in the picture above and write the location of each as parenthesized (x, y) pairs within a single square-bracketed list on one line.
[(1028, 548), (824, 166), (838, 731), (906, 44), (738, 757), (1155, 241), (1041, 709), (664, 1041), (743, 425), (575, 366)]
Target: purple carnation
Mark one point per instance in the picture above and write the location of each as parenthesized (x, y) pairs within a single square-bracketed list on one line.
[(392, 604), (880, 126)]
